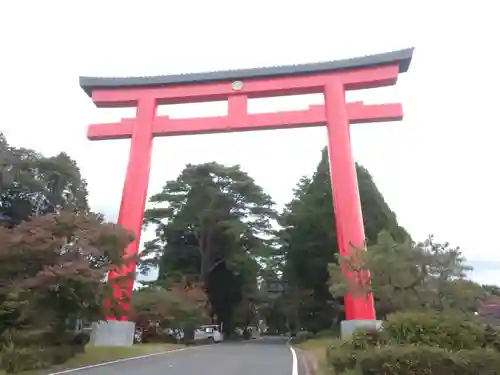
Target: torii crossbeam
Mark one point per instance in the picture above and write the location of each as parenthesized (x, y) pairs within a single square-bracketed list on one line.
[(237, 87)]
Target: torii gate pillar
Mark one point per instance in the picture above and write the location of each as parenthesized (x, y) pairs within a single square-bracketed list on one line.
[(237, 86)]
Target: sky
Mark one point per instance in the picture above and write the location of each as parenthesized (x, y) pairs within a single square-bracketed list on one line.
[(436, 169)]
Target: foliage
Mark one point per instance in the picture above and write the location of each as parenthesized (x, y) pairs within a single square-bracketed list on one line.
[(365, 338), (213, 225), (425, 360), (52, 268), (309, 239), (32, 184), (179, 308), (492, 337), (341, 359), (16, 359), (54, 257), (450, 330), (420, 343), (408, 276), (29, 350)]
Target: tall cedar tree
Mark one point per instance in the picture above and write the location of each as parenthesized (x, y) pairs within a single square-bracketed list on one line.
[(310, 241)]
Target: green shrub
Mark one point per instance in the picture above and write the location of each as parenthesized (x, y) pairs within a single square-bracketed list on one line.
[(364, 338), (79, 341), (400, 360), (492, 337), (151, 335), (478, 361), (341, 358), (57, 355), (81, 338), (31, 350), (16, 359), (426, 360), (24, 337), (22, 358), (171, 339), (444, 330)]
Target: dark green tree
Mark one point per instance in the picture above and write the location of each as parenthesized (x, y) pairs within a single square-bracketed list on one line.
[(310, 240), (213, 224), (32, 184)]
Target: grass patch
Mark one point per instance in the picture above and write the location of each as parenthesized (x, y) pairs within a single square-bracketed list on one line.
[(317, 349), (96, 355)]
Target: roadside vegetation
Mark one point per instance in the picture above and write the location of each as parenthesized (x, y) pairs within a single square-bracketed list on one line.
[(227, 256)]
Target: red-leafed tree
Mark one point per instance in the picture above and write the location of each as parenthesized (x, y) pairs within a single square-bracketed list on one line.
[(178, 307), (53, 268)]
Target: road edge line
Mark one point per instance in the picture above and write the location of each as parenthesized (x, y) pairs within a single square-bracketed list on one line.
[(117, 361), (295, 370)]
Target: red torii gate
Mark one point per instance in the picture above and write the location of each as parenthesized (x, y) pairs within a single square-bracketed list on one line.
[(237, 86)]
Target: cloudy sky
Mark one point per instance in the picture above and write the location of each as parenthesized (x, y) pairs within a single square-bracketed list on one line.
[(436, 169)]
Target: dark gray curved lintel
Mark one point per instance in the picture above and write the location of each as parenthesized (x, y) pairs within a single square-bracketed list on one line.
[(401, 57)]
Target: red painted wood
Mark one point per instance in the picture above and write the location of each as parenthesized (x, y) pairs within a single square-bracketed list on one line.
[(346, 201), (335, 113), (134, 196), (237, 122)]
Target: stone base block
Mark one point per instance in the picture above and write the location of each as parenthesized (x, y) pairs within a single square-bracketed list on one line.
[(112, 333), (347, 327)]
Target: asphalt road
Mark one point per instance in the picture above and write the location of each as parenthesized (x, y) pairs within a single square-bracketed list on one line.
[(270, 355)]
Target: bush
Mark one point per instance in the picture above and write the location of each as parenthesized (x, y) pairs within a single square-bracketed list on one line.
[(31, 350), (425, 360), (479, 361), (420, 343), (81, 338), (445, 330), (365, 338), (16, 359), (152, 335), (57, 355), (79, 341), (24, 338), (492, 337), (341, 358), (168, 338)]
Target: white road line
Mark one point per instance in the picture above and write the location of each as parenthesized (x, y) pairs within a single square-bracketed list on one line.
[(295, 369), (118, 361)]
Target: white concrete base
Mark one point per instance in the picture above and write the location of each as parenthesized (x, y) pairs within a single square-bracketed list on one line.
[(112, 333), (347, 327)]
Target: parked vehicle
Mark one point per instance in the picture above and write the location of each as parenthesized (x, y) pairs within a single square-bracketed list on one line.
[(209, 332)]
